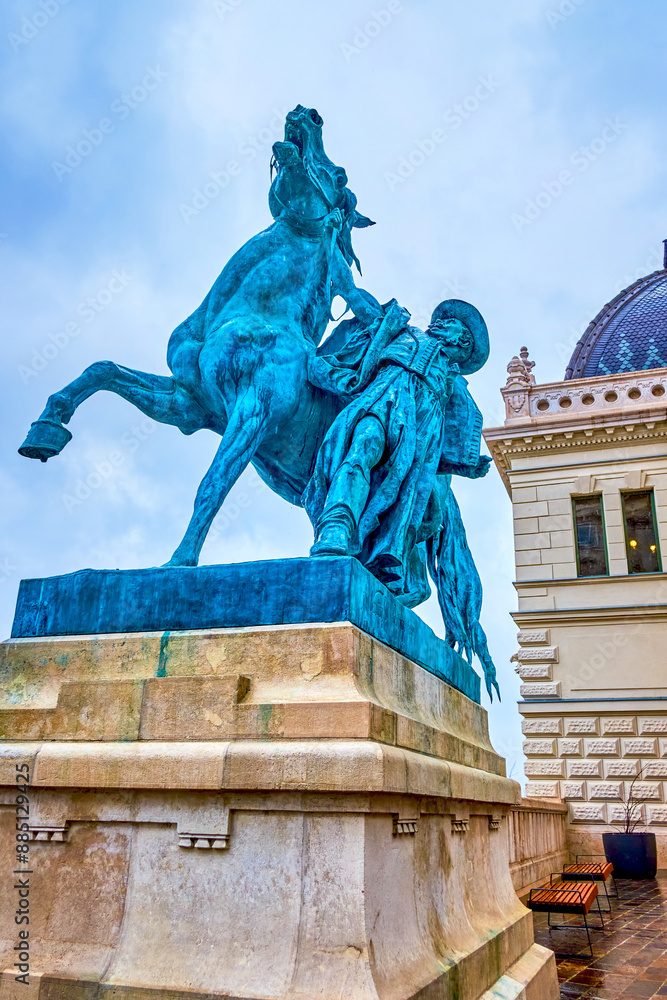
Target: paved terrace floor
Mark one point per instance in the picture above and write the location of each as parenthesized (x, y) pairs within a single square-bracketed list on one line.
[(630, 953)]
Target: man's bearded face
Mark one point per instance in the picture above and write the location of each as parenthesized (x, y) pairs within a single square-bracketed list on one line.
[(455, 336)]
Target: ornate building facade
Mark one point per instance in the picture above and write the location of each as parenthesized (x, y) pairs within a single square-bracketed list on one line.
[(585, 464)]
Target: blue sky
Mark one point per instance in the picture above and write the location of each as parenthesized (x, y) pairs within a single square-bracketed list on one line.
[(454, 122)]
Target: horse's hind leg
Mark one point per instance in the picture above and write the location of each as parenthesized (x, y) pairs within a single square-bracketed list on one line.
[(158, 396), (243, 434)]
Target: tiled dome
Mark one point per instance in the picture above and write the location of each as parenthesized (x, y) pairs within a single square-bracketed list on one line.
[(628, 335)]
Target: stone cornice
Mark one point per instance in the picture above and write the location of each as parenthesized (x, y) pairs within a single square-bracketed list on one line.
[(581, 413), (586, 616)]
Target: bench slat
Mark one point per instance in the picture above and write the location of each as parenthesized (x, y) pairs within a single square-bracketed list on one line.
[(564, 897)]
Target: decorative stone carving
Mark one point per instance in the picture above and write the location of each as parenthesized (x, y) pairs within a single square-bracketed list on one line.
[(548, 768), (586, 813), (213, 839), (219, 843), (405, 823), (534, 673), (640, 748), (495, 819), (657, 814), (656, 726), (569, 748), (617, 814), (655, 769), (542, 789), (547, 654), (585, 727), (621, 768), (584, 768), (534, 637), (573, 790), (539, 748), (49, 834), (460, 825), (554, 726), (645, 790), (602, 748), (604, 790), (519, 381), (546, 690), (619, 726)]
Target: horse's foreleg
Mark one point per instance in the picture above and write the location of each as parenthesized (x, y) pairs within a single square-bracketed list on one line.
[(243, 434), (158, 396)]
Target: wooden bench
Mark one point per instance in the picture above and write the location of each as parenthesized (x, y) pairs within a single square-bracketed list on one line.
[(591, 871), (575, 898)]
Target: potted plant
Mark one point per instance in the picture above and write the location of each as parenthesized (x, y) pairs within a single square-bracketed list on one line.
[(632, 853)]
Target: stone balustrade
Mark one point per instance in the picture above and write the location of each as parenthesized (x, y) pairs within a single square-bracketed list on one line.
[(537, 831), (585, 397)]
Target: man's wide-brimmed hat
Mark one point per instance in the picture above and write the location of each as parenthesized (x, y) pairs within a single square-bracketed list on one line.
[(473, 319)]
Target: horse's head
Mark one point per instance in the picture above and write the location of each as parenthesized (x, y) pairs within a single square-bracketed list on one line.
[(308, 185)]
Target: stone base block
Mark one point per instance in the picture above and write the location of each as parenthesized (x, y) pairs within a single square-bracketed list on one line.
[(391, 889), (289, 812)]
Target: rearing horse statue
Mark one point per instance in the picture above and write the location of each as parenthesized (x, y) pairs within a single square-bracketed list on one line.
[(240, 361)]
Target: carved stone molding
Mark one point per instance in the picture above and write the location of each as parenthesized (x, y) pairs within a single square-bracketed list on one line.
[(49, 834), (545, 654), (534, 637), (534, 672), (542, 789), (218, 842), (495, 819), (587, 813), (403, 825), (539, 748), (460, 821), (216, 837), (541, 690), (553, 726)]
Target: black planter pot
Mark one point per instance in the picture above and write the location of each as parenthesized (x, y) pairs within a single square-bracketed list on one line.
[(633, 855)]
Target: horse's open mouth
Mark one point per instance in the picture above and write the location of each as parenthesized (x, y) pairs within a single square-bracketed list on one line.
[(294, 135)]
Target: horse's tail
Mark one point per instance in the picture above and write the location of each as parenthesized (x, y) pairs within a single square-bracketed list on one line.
[(459, 588)]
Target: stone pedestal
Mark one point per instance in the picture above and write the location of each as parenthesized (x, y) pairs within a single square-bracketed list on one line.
[(282, 811)]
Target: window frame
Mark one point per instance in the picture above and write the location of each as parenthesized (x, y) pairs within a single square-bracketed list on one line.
[(585, 496), (651, 491)]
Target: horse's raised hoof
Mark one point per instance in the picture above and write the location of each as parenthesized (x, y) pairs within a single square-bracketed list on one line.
[(177, 561), (45, 439)]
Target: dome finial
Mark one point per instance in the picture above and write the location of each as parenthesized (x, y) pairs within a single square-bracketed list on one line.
[(664, 254)]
